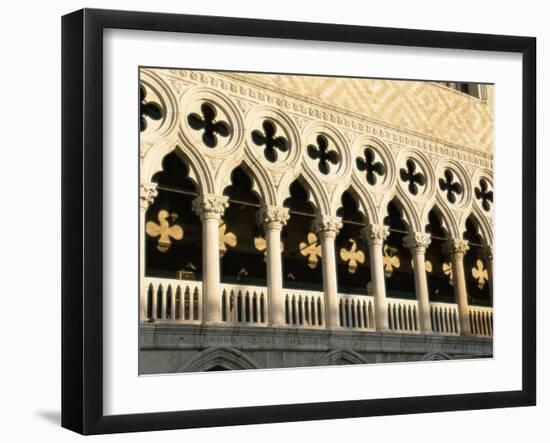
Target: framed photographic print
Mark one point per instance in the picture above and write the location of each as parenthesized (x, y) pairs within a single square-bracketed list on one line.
[(273, 221)]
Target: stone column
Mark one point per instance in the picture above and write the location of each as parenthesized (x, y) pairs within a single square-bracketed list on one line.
[(209, 208), (456, 248), (327, 228), (417, 242), (375, 236), (148, 192), (488, 256), (273, 219)]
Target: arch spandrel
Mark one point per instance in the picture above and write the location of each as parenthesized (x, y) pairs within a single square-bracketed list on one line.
[(316, 192)]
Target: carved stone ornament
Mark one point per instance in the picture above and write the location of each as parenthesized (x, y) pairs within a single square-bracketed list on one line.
[(148, 192), (327, 224), (375, 234), (456, 246), (272, 217), (417, 241), (210, 206), (488, 252)]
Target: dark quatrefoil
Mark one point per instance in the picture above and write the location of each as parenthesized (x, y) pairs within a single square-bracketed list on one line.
[(483, 194), (449, 186), (269, 140), (322, 153), (413, 178), (147, 109), (208, 124), (370, 166)]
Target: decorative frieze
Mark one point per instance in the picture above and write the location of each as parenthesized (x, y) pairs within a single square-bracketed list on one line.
[(252, 91)]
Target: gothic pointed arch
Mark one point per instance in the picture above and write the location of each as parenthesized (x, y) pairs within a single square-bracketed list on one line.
[(241, 239), (397, 257), (438, 266), (301, 245), (476, 266), (352, 255), (340, 357), (173, 232), (219, 357)]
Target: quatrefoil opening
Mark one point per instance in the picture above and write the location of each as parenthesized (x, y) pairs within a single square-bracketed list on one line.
[(270, 141), (147, 109), (207, 123), (370, 166), (323, 154), (484, 194), (413, 178), (449, 186)]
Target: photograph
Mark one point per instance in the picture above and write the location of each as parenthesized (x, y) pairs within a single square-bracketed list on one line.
[(290, 220)]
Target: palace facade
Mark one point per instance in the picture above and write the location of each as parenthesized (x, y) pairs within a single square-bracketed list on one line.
[(294, 220)]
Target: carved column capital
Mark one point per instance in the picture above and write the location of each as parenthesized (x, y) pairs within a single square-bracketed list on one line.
[(375, 234), (147, 194), (327, 225), (488, 252), (417, 241), (210, 206), (455, 246), (272, 217)]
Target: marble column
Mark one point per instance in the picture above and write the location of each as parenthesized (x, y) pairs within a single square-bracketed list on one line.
[(327, 228), (456, 248), (210, 208), (417, 242), (488, 256), (375, 235), (148, 192), (273, 218)]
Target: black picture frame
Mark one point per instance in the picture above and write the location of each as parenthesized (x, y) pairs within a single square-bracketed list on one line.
[(82, 215)]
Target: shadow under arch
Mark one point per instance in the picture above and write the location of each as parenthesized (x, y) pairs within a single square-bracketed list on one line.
[(340, 357), (219, 357), (438, 267)]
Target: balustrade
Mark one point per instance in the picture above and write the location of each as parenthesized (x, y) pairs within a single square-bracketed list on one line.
[(356, 311), (244, 304), (180, 301), (304, 309), (481, 320), (176, 300), (444, 317), (403, 315)]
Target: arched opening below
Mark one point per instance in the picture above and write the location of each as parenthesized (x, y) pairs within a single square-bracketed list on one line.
[(352, 255), (242, 242), (173, 232), (438, 267), (476, 267), (397, 259), (301, 246)]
